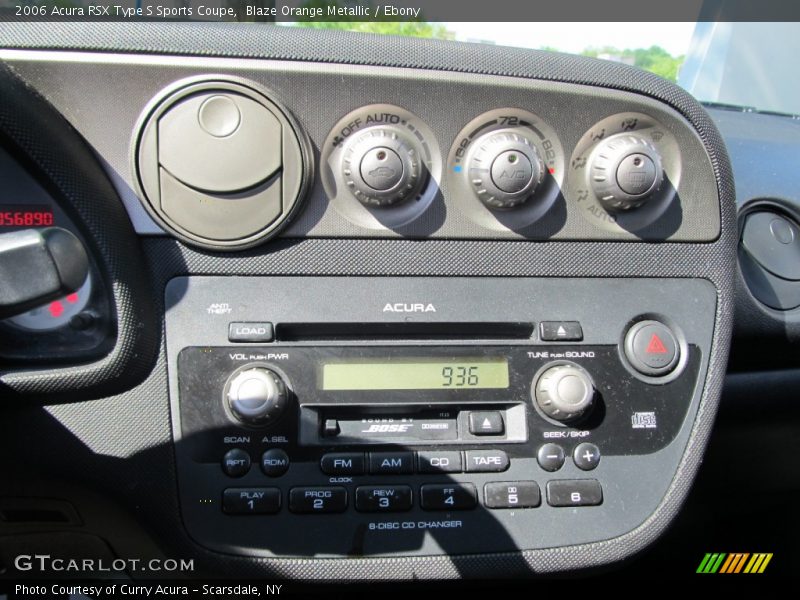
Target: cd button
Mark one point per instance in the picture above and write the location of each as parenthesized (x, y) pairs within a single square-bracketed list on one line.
[(439, 462)]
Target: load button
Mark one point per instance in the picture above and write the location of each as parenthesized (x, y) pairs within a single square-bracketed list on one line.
[(652, 348)]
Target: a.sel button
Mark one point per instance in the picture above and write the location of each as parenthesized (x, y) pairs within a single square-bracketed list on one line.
[(448, 496), (512, 494), (251, 501), (574, 492), (486, 461), (383, 498), (317, 499)]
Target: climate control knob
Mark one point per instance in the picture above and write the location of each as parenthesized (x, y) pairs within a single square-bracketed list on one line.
[(626, 171), (564, 392), (505, 168), (257, 396), (382, 167)]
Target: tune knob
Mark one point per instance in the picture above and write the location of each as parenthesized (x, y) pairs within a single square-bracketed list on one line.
[(626, 171), (505, 168), (257, 396), (382, 167), (564, 392)]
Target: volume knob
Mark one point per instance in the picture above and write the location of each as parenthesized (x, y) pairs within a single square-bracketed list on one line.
[(564, 392), (257, 396), (626, 172)]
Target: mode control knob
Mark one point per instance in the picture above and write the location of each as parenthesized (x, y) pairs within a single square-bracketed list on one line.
[(626, 171), (564, 392), (505, 169), (257, 396), (382, 167)]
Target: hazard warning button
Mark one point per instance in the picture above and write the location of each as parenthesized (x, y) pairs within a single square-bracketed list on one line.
[(652, 348)]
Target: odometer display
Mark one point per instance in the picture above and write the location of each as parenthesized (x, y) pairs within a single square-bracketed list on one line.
[(25, 215), (416, 374)]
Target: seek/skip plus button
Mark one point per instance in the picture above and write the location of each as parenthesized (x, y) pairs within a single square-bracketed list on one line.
[(486, 461)]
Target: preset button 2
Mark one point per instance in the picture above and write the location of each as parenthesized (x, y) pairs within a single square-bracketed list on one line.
[(307, 500)]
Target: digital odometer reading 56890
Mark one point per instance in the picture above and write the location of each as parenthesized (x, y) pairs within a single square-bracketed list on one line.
[(25, 215), (416, 374)]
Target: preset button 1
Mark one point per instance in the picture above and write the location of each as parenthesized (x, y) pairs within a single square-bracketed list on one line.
[(251, 501)]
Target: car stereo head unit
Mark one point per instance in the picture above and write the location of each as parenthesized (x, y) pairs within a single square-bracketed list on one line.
[(475, 423)]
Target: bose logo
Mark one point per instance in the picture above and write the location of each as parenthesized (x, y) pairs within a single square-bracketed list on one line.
[(394, 428), (406, 308)]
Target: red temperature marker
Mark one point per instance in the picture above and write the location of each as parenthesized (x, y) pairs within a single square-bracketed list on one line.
[(656, 346)]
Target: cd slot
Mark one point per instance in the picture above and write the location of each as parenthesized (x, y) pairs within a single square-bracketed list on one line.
[(300, 332)]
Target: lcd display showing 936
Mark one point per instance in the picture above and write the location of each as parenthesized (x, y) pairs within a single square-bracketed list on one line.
[(415, 374)]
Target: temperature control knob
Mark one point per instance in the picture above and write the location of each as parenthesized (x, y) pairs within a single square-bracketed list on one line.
[(564, 392), (382, 167), (626, 171), (505, 169), (257, 396)]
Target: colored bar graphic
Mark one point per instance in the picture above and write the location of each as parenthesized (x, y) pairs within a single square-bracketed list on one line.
[(737, 562)]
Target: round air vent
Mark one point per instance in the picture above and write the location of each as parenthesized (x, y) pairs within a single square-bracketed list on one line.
[(220, 165), (769, 255)]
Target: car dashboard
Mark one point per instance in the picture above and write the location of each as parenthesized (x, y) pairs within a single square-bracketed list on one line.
[(363, 307)]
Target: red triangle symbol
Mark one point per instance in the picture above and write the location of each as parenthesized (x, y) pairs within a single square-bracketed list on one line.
[(656, 346)]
